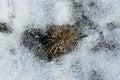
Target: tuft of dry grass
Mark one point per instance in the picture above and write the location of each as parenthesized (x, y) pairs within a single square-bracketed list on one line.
[(59, 40), (54, 42), (4, 28)]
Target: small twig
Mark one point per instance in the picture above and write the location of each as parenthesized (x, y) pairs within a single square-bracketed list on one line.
[(9, 13)]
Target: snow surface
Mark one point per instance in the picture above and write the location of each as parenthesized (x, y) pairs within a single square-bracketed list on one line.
[(17, 63)]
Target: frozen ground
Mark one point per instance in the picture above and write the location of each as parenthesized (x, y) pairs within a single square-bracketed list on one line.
[(97, 56)]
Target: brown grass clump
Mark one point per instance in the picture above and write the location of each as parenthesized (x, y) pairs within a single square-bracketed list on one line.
[(54, 42), (4, 28), (59, 40)]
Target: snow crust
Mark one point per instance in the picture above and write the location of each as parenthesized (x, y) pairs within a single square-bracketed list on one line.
[(17, 63)]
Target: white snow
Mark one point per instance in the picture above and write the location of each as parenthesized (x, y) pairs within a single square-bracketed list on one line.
[(16, 63)]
